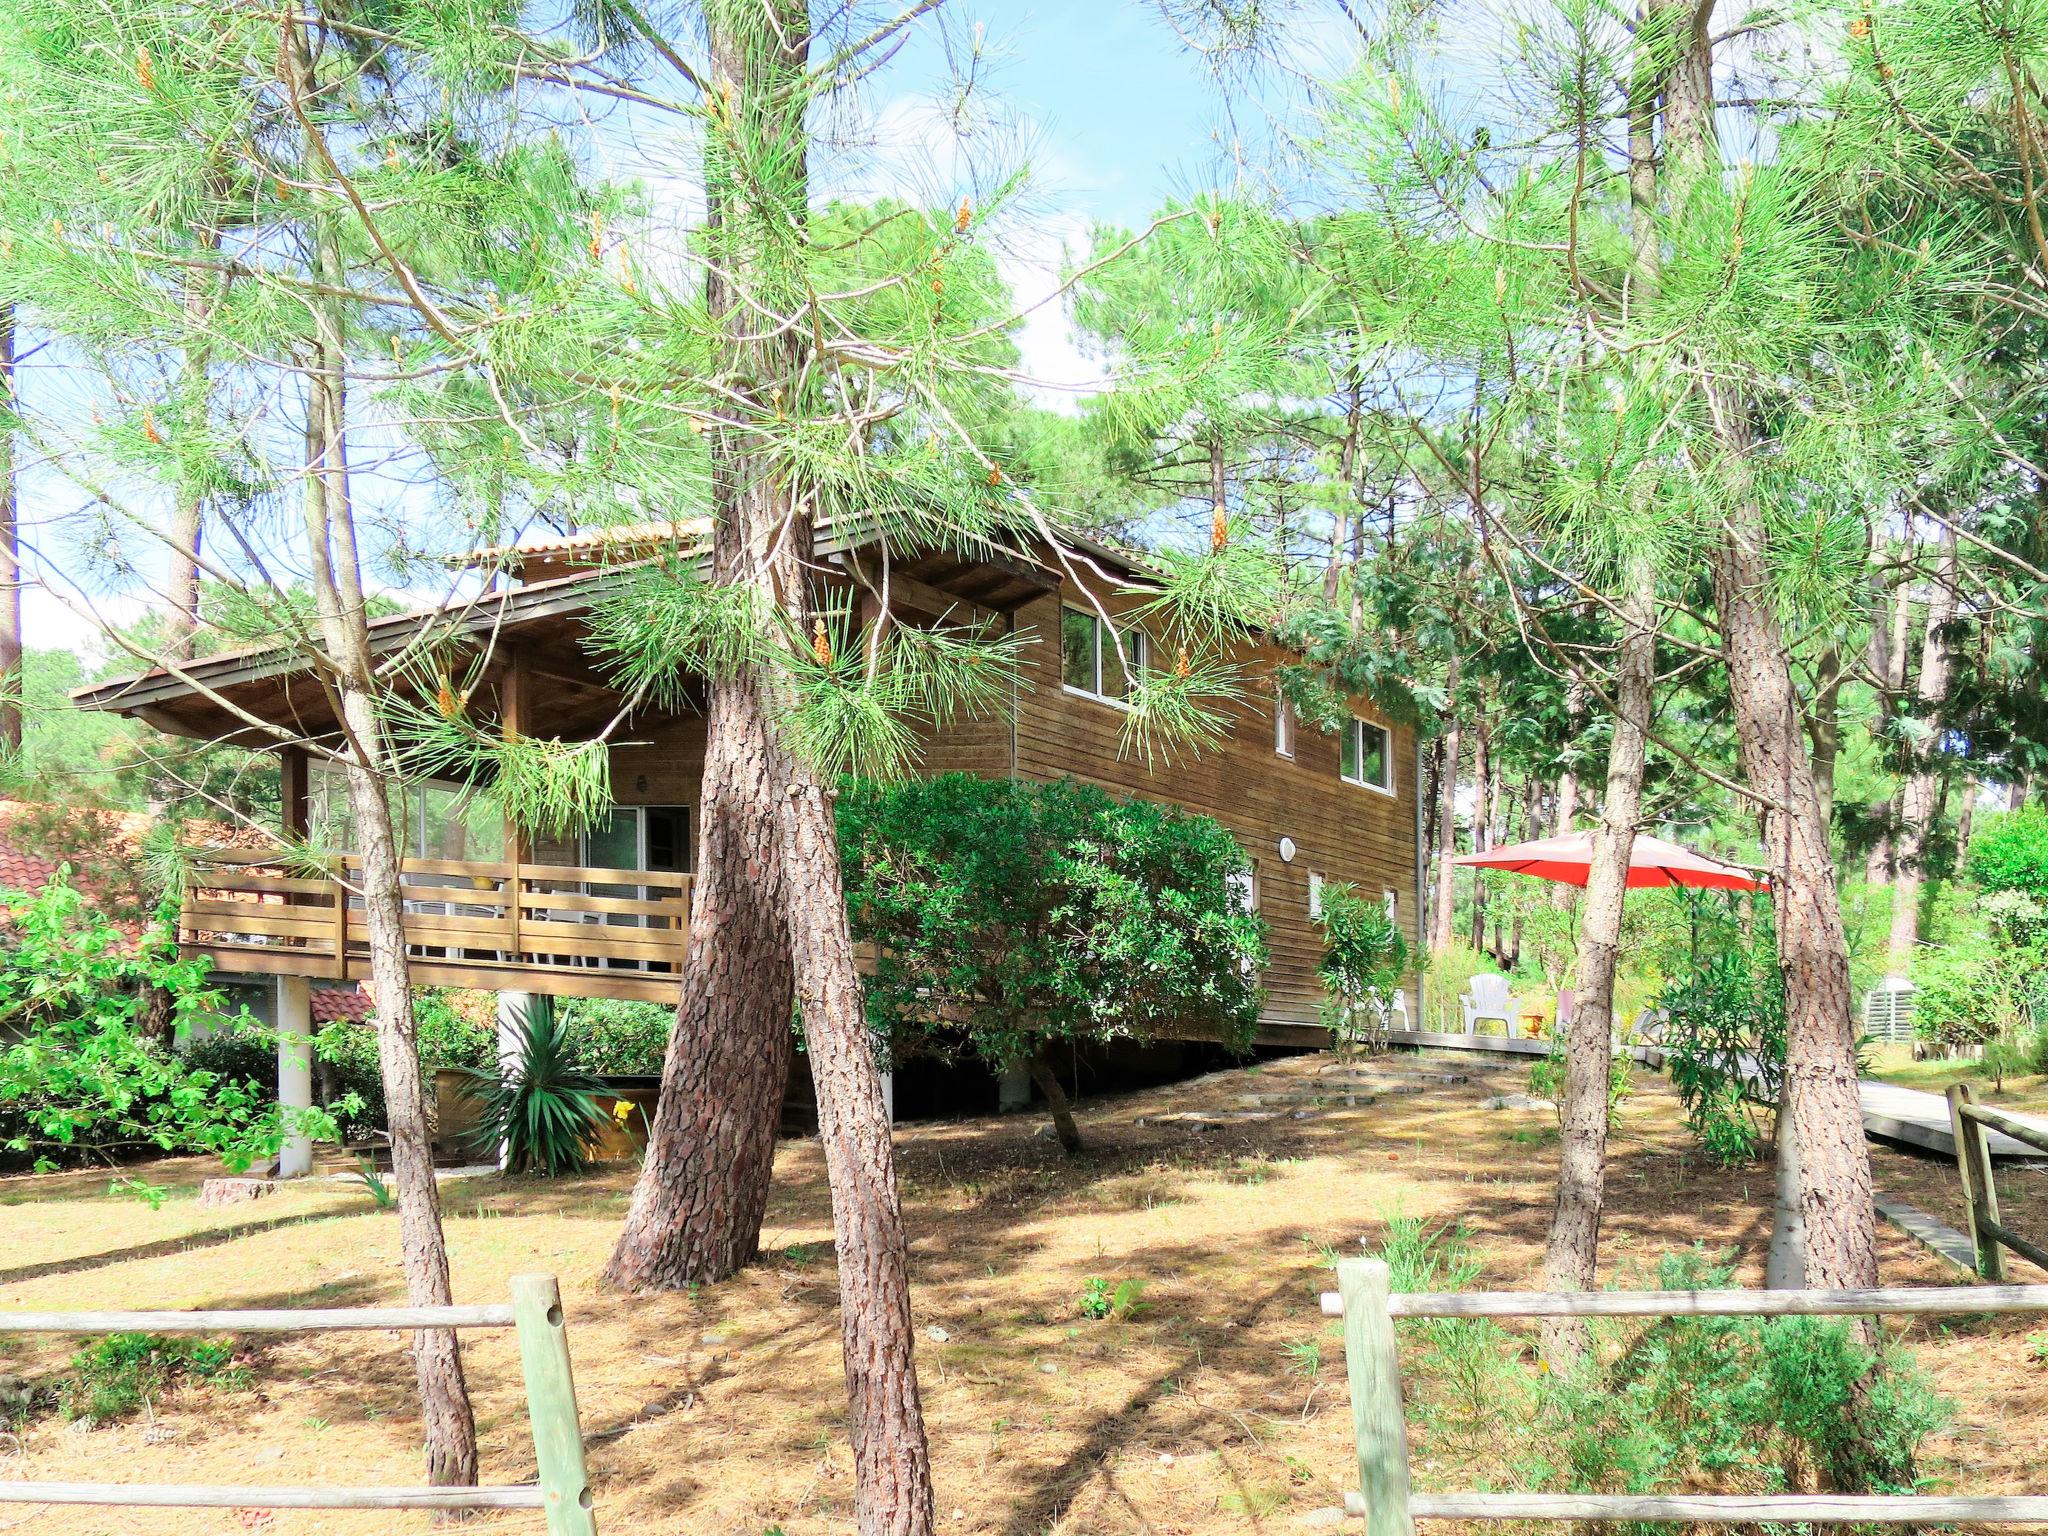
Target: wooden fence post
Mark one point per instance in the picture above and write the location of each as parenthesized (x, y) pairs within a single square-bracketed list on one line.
[(1373, 1364), (1980, 1193), (551, 1401)]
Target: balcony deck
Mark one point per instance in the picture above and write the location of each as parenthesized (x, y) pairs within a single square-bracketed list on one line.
[(550, 928)]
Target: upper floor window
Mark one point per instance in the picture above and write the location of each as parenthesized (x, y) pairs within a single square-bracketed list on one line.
[(1283, 727), (1366, 755), (1088, 658)]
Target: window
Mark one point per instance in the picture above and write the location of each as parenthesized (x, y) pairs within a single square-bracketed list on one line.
[(1393, 905), (1367, 755), (1283, 727), (1244, 889), (1315, 894), (1088, 660)]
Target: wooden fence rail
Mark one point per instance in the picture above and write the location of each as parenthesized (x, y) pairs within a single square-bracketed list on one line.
[(1365, 1300), (1988, 1235), (562, 1490)]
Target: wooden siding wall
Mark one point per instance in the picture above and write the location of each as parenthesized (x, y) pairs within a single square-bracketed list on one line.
[(1344, 832)]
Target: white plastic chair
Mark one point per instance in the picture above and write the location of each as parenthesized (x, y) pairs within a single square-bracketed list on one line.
[(1488, 998)]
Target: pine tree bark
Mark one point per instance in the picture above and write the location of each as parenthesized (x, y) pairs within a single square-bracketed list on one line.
[(703, 1187), (1482, 820), (1813, 952), (336, 569), (1917, 798), (10, 549), (1443, 921), (756, 173), (1571, 1255)]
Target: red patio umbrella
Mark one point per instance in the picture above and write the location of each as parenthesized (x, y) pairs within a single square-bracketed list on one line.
[(1652, 862)]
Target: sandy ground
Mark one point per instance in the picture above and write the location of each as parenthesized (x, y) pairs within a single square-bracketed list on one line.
[(721, 1414)]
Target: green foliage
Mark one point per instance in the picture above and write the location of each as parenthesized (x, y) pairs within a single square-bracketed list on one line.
[(121, 1373), (1749, 1403), (1364, 959), (1729, 1011), (78, 1077), (1547, 1076), (375, 1185), (1020, 913), (541, 1107), (2010, 853), (1118, 1301), (616, 1037)]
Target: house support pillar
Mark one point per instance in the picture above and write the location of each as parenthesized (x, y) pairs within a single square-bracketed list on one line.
[(514, 1011), (1013, 1091), (295, 1069)]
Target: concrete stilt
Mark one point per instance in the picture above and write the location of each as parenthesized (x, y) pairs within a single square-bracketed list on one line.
[(514, 1010), (295, 1068)]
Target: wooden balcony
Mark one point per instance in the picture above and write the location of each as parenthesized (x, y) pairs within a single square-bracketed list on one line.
[(563, 930)]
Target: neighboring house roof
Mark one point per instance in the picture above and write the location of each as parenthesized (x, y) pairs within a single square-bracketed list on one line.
[(336, 1004)]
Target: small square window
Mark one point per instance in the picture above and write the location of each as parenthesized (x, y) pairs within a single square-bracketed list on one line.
[(1088, 660), (1366, 755)]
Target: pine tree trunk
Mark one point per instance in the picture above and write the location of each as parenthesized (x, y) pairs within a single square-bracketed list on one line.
[(1571, 1256), (1056, 1101), (1917, 799), (1482, 821), (10, 550), (1813, 951), (336, 569), (703, 1188), (756, 171), (1443, 921), (181, 585), (891, 1461)]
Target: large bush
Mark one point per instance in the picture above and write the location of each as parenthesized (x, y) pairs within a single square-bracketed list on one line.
[(1008, 915), (78, 1075), (616, 1037), (2010, 853)]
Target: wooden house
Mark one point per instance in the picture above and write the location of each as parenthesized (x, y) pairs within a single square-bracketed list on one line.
[(605, 914)]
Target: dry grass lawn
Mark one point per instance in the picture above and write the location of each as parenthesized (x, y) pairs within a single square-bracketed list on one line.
[(720, 1414)]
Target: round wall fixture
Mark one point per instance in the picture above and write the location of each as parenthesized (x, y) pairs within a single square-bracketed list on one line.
[(1286, 850)]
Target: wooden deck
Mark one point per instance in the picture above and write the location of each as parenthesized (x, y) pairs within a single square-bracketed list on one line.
[(570, 931), (1907, 1116)]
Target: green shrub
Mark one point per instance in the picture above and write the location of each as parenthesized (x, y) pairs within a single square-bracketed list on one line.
[(240, 1053), (449, 1037), (116, 1375), (617, 1037), (1753, 1404), (545, 1109), (1364, 959), (1727, 1015), (2010, 853), (1018, 914), (78, 1074)]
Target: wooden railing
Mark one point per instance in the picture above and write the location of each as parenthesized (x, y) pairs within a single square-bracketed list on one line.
[(467, 923), (1988, 1235), (1366, 1301), (562, 1489)]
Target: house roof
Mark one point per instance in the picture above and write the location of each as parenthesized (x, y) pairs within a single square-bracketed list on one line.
[(267, 696), (332, 1005), (589, 545)]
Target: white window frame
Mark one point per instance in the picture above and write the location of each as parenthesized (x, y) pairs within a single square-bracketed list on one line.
[(1315, 893), (1244, 888), (1283, 727), (1392, 901), (1143, 648), (1356, 725)]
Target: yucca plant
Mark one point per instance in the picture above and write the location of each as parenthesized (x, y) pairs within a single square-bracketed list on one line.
[(541, 1108)]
